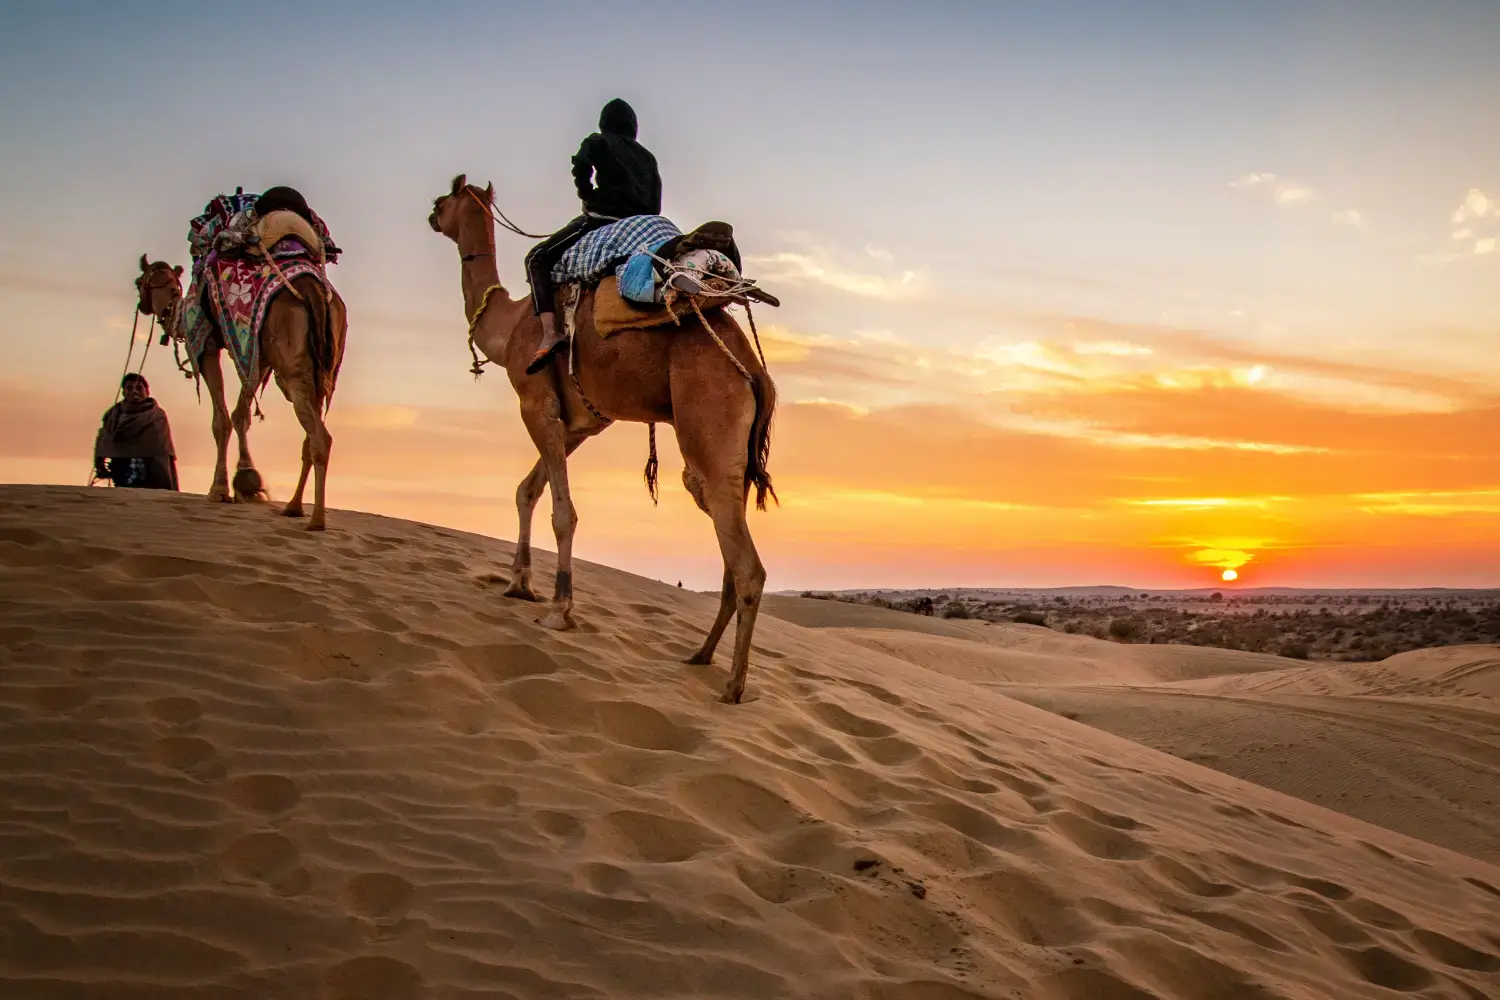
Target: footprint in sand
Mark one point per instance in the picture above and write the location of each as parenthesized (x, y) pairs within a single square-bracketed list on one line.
[(1097, 839), (176, 711), (270, 794), (643, 727), (638, 836), (372, 977), (190, 754), (847, 722), (269, 859), (60, 698), (378, 896), (1455, 953), (1382, 967)]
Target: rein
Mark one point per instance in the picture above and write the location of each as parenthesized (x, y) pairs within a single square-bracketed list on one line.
[(500, 218)]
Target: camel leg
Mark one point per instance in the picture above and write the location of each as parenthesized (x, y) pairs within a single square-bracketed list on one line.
[(527, 495), (316, 446), (294, 505), (248, 487), (726, 505), (551, 440), (213, 376), (726, 609)]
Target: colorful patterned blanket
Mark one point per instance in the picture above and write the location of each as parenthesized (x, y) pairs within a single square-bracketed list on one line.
[(237, 293), (600, 252)]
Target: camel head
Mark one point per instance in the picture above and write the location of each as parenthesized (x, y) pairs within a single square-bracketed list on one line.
[(158, 287), (463, 216)]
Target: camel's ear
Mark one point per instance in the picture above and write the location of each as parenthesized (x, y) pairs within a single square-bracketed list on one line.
[(489, 189), (177, 270), (459, 182), (144, 265)]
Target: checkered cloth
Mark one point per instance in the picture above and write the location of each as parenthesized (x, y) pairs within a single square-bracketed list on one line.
[(604, 249)]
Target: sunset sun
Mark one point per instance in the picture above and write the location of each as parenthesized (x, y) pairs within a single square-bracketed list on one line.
[(1229, 575)]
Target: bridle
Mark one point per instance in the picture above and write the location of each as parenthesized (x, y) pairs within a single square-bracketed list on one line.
[(147, 283)]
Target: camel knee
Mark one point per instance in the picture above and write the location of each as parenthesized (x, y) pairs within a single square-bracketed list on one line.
[(564, 517), (320, 446)]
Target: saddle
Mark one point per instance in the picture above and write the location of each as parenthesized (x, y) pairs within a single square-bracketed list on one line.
[(278, 225)]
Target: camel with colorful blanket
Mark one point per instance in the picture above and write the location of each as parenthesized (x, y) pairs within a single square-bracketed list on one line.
[(259, 290), (631, 362)]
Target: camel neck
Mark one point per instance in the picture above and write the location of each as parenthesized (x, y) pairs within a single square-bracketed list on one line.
[(479, 276)]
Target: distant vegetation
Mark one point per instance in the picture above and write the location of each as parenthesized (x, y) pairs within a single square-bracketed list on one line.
[(1301, 626)]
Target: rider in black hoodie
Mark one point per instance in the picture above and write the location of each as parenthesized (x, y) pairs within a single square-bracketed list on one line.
[(616, 178)]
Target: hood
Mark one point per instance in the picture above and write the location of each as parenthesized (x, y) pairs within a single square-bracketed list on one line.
[(619, 118)]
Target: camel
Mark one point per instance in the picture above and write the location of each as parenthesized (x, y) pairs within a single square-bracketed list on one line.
[(301, 344), (678, 377)]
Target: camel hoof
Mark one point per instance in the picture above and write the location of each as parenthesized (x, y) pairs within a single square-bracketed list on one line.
[(731, 696), (220, 495), (248, 487), (522, 594), (316, 524), (557, 621), (292, 510), (699, 659)]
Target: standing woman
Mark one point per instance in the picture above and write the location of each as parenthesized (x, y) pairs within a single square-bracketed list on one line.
[(134, 444)]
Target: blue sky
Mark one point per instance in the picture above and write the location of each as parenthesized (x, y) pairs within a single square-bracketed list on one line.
[(1282, 178)]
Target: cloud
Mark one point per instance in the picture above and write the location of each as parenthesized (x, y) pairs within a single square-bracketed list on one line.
[(1112, 348), (1476, 205), (1349, 217), (879, 253), (1463, 234), (815, 265), (1281, 190), (1485, 246)]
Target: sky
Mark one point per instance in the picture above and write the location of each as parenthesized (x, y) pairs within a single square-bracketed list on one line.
[(1083, 293)]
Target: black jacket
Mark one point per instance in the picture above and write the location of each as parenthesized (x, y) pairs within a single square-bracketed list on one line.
[(614, 174)]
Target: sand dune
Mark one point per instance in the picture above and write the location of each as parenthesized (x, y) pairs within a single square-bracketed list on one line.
[(1411, 743), (240, 761)]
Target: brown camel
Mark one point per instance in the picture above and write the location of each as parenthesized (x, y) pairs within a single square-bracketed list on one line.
[(677, 376), (302, 344)]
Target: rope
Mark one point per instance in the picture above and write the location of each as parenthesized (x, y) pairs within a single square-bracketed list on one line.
[(591, 407), (120, 387), (722, 346), (501, 220), (484, 303), (756, 333)]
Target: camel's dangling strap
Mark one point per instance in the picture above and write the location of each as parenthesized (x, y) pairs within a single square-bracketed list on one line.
[(652, 465)]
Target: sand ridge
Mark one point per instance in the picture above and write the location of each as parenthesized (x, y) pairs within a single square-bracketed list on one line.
[(240, 761)]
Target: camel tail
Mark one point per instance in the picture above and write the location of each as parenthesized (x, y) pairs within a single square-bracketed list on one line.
[(322, 341), (757, 473)]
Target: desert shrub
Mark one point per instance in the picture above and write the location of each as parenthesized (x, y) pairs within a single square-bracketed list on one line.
[(957, 611), (1030, 618), (1296, 650), (1125, 629)]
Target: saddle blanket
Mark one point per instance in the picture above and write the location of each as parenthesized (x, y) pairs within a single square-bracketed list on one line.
[(607, 248), (239, 292)]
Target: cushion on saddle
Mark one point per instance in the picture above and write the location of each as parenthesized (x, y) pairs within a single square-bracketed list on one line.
[(604, 249)]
